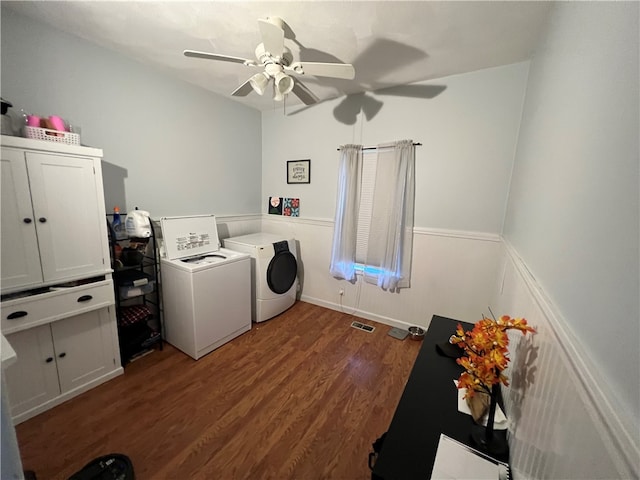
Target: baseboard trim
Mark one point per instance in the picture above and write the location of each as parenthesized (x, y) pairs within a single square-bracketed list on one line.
[(392, 322)]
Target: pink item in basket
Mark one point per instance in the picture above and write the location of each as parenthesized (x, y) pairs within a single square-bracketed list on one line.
[(57, 122), (33, 120)]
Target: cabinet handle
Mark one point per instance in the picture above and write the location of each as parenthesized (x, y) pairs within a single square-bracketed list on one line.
[(62, 355), (85, 298), (16, 315), (49, 359), (27, 220), (42, 220)]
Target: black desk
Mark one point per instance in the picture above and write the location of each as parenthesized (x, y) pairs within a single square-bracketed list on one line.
[(428, 407)]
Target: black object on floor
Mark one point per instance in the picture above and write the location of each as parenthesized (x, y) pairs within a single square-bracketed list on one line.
[(134, 338), (114, 466), (377, 448)]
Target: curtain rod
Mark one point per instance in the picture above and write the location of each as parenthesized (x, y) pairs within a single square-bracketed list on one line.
[(389, 146)]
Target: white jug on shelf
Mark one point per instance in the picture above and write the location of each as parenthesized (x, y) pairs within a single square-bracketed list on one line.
[(137, 224)]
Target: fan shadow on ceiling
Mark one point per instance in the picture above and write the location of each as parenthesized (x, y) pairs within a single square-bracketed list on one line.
[(362, 92), (366, 102)]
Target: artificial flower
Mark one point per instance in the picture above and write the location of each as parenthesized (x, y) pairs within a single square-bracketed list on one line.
[(486, 349)]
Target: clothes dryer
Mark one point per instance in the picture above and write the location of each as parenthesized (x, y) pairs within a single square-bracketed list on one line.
[(206, 290), (274, 272)]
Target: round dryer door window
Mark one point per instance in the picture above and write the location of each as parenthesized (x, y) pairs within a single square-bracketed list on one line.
[(282, 272)]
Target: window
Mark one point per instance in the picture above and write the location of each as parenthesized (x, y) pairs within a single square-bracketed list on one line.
[(373, 232), (365, 210)]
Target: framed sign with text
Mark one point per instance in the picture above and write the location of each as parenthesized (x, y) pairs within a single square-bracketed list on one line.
[(299, 171)]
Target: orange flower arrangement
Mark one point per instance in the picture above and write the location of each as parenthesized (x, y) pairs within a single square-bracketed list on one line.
[(487, 352)]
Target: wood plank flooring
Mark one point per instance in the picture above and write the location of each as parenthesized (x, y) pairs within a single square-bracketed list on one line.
[(301, 396)]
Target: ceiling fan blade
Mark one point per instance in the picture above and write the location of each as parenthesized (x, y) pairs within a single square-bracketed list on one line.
[(215, 56), (272, 36), (334, 70), (243, 90), (303, 93)]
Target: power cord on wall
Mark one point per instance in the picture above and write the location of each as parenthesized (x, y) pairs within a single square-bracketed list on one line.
[(358, 291)]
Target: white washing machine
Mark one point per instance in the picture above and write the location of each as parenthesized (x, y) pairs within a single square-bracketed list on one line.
[(274, 271), (206, 290)]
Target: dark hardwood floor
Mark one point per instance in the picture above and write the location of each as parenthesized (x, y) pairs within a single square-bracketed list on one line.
[(301, 396)]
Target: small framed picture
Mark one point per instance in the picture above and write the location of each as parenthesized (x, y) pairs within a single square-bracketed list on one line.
[(275, 206), (299, 171)]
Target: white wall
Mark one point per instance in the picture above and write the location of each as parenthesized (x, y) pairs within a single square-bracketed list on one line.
[(170, 147), (573, 210), (468, 132)]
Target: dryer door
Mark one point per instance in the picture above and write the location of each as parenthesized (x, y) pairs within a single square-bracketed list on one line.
[(282, 269)]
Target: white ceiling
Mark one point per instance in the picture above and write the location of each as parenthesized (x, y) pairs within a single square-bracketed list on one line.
[(389, 43)]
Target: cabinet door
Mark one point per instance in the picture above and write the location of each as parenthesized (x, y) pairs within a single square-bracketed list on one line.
[(20, 256), (84, 348), (33, 379), (67, 214)]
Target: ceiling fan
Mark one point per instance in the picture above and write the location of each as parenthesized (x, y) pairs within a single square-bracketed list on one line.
[(278, 64)]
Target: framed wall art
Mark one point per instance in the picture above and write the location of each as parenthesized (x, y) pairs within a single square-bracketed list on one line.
[(275, 206), (299, 171)]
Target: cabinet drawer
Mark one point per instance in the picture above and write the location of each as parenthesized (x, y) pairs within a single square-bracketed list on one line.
[(47, 307)]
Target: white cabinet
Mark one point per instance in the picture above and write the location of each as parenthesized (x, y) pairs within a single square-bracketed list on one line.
[(52, 216), (57, 308), (33, 379), (57, 358), (84, 349), (20, 256)]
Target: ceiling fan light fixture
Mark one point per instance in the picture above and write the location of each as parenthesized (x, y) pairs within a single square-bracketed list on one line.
[(283, 83), (277, 61), (277, 96), (259, 82)]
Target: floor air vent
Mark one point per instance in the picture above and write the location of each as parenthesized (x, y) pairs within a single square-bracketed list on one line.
[(362, 326)]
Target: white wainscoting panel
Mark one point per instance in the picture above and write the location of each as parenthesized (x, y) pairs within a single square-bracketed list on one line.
[(236, 225), (562, 424), (453, 274)]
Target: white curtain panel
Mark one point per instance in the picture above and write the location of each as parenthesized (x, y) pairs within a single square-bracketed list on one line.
[(345, 230), (390, 241)]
